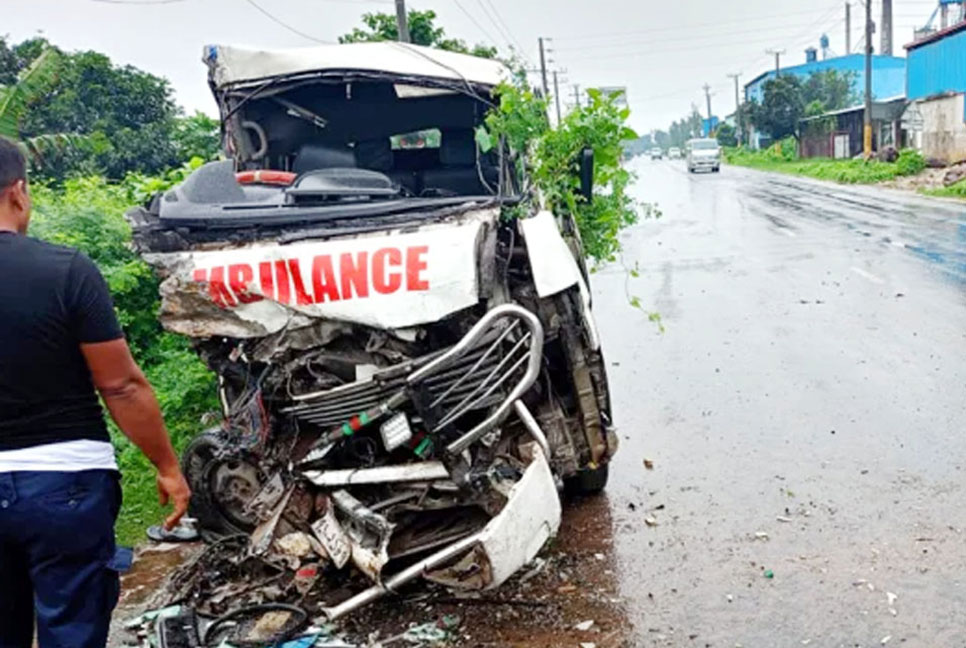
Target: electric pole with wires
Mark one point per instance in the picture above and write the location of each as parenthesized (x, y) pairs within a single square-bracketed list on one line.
[(556, 95), (867, 131), (778, 62), (402, 23), (543, 68), (737, 107)]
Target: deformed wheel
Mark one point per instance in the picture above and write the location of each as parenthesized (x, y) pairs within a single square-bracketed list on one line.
[(221, 485)]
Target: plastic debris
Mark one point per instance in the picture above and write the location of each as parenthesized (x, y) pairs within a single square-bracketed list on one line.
[(587, 644), (891, 598), (153, 615), (769, 573), (730, 598), (649, 464), (885, 639), (584, 625), (761, 535), (782, 518), (650, 521)]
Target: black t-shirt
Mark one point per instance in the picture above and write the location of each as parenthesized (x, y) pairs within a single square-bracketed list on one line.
[(52, 299)]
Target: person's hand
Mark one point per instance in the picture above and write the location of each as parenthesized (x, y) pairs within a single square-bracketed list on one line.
[(172, 487)]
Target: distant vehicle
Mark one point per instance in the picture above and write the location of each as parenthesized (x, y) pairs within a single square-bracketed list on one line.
[(674, 153), (704, 154), (657, 153)]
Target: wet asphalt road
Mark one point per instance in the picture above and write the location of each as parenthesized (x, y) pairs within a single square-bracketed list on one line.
[(811, 386)]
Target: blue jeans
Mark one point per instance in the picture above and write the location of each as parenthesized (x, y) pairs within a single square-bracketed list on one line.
[(57, 557)]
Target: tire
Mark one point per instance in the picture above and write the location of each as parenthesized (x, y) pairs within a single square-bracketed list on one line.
[(588, 482)]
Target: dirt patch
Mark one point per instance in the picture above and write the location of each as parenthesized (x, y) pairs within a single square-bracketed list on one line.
[(927, 179), (547, 604)]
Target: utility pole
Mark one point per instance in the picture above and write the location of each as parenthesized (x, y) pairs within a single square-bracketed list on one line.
[(556, 95), (885, 47), (543, 68), (577, 95), (778, 64), (867, 131), (848, 28), (402, 23), (707, 96), (738, 132)]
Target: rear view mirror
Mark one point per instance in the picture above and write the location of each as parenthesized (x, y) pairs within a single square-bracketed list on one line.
[(587, 173)]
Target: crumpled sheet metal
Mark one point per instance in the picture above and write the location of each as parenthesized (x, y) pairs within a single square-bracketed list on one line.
[(386, 280), (510, 540)]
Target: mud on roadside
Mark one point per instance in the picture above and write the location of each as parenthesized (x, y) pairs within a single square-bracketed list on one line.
[(573, 581)]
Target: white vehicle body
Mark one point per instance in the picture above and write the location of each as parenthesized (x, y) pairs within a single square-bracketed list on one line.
[(379, 326), (703, 154)]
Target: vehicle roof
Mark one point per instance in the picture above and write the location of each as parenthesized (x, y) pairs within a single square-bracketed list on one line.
[(702, 139), (234, 66)]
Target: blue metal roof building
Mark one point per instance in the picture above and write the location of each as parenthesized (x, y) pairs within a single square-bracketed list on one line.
[(888, 75), (937, 64)]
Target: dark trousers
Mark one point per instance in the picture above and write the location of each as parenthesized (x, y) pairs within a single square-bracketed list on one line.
[(56, 557)]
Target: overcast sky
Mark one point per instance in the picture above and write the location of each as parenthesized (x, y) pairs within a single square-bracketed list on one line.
[(664, 52)]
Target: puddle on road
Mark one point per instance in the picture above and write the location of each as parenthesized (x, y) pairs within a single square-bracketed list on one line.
[(574, 581)]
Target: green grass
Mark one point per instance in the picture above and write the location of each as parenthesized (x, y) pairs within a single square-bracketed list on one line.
[(957, 190), (844, 171)]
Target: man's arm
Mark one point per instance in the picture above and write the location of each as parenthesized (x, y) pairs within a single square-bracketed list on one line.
[(133, 406)]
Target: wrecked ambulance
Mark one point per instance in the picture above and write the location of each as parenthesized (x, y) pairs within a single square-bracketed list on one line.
[(407, 375)]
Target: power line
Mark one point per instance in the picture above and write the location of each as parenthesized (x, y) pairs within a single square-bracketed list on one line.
[(687, 39), (507, 32), (677, 28), (474, 21), (139, 2), (286, 25)]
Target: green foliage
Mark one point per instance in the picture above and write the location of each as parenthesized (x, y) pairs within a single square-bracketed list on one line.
[(197, 136), (422, 31), (957, 190), (685, 129), (830, 90), (25, 89), (87, 213), (910, 162), (782, 107), (726, 135), (844, 171), (128, 117), (550, 157)]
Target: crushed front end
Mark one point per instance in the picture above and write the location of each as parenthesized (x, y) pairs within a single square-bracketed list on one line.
[(406, 381)]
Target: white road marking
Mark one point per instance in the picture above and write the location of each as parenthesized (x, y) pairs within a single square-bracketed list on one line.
[(867, 275)]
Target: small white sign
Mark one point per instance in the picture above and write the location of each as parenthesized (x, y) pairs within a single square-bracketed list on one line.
[(330, 533)]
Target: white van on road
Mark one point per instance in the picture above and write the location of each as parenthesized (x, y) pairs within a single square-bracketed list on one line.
[(704, 154)]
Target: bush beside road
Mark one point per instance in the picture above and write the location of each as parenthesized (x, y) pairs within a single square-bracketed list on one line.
[(784, 159)]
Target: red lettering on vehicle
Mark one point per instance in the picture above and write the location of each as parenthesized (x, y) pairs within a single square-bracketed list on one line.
[(217, 288), (415, 264), (239, 276), (383, 281), (301, 297), (354, 274), (200, 275), (282, 283), (266, 279), (324, 285)]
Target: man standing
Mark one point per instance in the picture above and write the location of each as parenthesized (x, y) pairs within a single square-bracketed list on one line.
[(59, 483)]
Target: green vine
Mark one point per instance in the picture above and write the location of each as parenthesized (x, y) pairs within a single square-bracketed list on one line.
[(549, 158)]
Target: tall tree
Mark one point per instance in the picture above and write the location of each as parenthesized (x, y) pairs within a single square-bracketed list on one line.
[(781, 108), (422, 31), (831, 88), (128, 117)]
